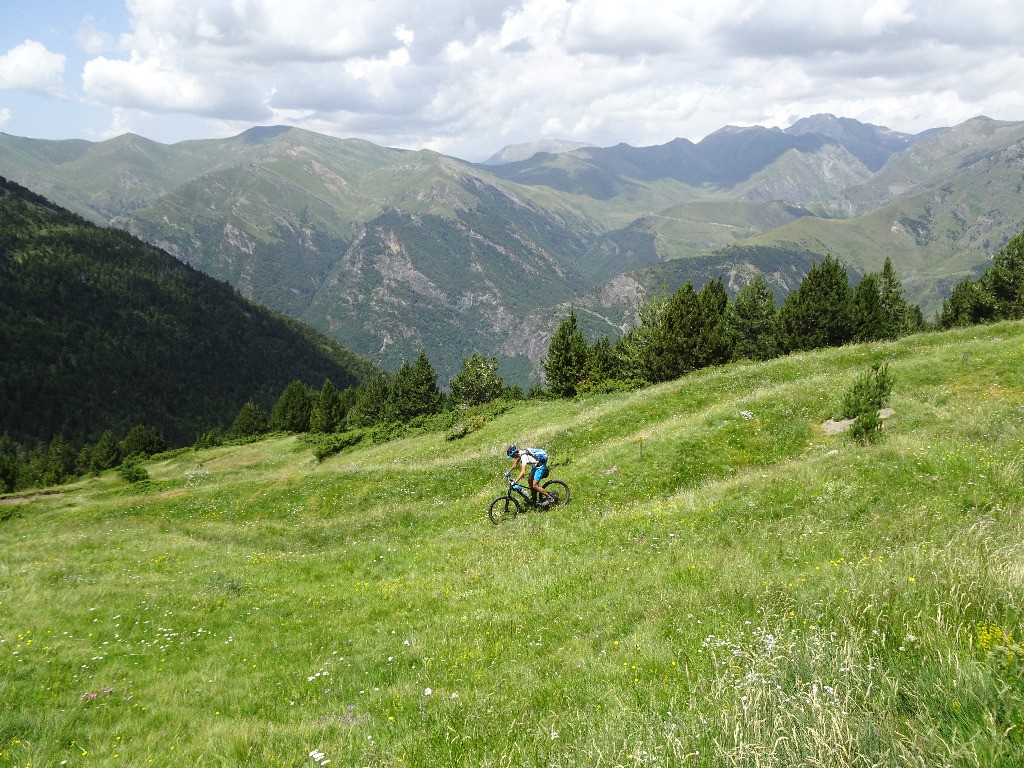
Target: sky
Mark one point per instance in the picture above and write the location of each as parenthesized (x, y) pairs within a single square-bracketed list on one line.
[(468, 77)]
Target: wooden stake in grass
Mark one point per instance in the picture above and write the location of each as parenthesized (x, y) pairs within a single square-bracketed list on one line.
[(641, 449)]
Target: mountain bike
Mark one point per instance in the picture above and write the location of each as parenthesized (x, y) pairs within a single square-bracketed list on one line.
[(519, 498)]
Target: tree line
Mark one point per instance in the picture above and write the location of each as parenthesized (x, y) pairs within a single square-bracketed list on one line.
[(693, 329), (40, 465), (690, 329), (677, 333), (399, 398)]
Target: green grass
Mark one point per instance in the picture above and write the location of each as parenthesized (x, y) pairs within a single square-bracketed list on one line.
[(729, 587)]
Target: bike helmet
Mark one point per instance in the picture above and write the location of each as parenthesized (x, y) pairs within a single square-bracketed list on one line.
[(512, 450)]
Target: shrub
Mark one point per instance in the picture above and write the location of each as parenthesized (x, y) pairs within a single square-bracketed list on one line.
[(610, 386), (209, 439), (868, 395), (336, 442), (141, 441), (132, 471), (464, 427)]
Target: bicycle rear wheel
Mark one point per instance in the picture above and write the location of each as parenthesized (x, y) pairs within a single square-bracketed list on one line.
[(503, 508), (559, 490)]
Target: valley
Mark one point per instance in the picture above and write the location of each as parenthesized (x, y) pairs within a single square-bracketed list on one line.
[(390, 251)]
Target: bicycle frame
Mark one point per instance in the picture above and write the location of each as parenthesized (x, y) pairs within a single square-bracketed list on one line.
[(528, 494)]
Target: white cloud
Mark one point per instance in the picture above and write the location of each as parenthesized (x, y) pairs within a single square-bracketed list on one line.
[(466, 76), (885, 14), (244, 61), (31, 67), (120, 123), (92, 39), (641, 27), (5, 116), (405, 35), (155, 85)]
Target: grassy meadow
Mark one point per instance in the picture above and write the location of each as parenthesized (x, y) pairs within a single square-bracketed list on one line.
[(730, 586)]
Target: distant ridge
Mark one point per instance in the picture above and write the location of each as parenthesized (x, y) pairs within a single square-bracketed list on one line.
[(871, 144), (260, 133), (516, 152)]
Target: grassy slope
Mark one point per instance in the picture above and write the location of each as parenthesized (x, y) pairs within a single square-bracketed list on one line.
[(692, 230), (750, 589)]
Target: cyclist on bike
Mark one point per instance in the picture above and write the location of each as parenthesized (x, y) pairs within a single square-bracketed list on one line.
[(533, 461)]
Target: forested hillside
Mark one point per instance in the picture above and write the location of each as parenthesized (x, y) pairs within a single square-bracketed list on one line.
[(100, 331)]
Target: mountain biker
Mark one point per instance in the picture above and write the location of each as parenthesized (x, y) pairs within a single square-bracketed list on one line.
[(534, 461)]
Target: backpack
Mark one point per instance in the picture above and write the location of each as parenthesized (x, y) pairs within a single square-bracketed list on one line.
[(539, 454), (542, 460)]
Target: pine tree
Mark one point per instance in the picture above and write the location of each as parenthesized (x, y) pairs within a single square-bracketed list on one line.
[(862, 403), (8, 472), (32, 465), (8, 463), (371, 402), (969, 304), (60, 463), (819, 312), (565, 365), (293, 408), (715, 341), (869, 320), (899, 318), (671, 340), (1004, 280), (83, 460), (753, 317), (602, 363), (633, 350), (106, 454), (250, 422), (478, 382), (691, 333), (329, 409), (997, 295), (141, 441), (414, 391)]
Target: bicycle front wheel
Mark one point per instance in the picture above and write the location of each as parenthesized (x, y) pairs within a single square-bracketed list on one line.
[(503, 508), (559, 490)]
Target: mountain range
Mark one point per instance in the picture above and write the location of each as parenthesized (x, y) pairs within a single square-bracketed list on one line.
[(390, 251)]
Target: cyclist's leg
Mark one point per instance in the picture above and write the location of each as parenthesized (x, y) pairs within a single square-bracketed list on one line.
[(534, 487), (535, 477)]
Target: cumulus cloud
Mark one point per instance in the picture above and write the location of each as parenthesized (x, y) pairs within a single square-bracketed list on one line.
[(466, 76), (246, 61), (31, 67)]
